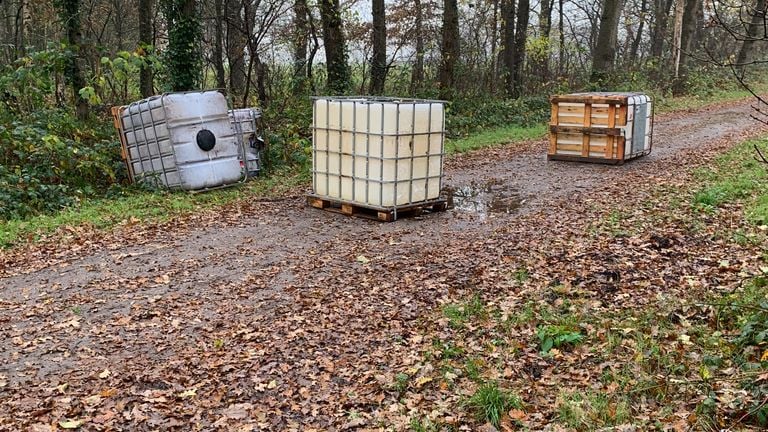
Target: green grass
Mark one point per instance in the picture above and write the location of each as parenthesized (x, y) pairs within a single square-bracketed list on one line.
[(736, 177), (141, 206), (495, 137), (558, 336), (401, 382), (681, 103), (490, 402), (459, 313), (592, 410)]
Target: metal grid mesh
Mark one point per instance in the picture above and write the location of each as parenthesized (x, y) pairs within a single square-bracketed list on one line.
[(339, 157), (154, 150), (245, 123)]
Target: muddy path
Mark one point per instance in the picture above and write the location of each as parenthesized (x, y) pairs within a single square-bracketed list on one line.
[(286, 312)]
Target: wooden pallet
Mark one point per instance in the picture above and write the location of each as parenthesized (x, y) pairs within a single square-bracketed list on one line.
[(588, 127), (384, 214), (117, 112)]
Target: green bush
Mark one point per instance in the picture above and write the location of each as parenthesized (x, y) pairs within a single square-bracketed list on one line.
[(466, 116), (49, 161)]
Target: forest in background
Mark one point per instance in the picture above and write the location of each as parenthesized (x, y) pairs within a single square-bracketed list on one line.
[(64, 63)]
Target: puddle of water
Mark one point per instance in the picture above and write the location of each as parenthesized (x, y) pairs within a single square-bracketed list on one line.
[(485, 199)]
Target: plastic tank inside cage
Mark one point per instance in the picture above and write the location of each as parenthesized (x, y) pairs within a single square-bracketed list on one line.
[(181, 140), (378, 152)]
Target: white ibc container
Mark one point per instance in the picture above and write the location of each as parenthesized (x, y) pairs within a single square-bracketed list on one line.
[(603, 127), (378, 152), (182, 140), (245, 123)]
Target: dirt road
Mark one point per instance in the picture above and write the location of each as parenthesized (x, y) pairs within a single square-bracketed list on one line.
[(285, 317)]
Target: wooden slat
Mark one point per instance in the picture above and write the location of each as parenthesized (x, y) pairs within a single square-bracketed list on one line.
[(376, 213), (577, 148), (589, 99), (553, 123), (612, 139), (317, 202), (587, 124), (621, 145), (586, 130), (598, 160), (117, 112), (622, 115)]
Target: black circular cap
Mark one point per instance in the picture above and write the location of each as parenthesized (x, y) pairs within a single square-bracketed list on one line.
[(206, 140)]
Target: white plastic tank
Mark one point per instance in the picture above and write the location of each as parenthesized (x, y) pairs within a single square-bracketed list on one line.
[(182, 141), (378, 152), (245, 123)]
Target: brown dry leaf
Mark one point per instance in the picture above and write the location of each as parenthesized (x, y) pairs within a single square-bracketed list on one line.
[(71, 424), (516, 414), (237, 411)]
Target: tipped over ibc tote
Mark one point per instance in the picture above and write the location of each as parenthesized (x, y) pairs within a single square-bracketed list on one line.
[(181, 141), (382, 154), (245, 122), (601, 127)]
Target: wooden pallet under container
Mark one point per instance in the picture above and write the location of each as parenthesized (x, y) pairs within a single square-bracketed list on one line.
[(383, 214), (116, 112), (607, 128)]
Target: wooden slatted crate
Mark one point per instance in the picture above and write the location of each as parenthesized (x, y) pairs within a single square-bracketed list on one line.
[(116, 112), (609, 128)]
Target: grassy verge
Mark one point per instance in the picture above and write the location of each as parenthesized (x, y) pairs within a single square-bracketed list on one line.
[(143, 206), (495, 137), (738, 176), (683, 103)]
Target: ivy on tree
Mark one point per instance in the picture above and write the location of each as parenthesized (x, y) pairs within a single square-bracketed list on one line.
[(183, 56)]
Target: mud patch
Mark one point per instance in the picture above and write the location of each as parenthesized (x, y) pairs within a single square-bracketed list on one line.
[(485, 199)]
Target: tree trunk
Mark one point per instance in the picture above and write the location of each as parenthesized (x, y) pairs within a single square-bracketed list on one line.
[(335, 46), (236, 44), (508, 47), (605, 50), (687, 44), (20, 30), (561, 34), (184, 65), (493, 72), (379, 42), (146, 86), (300, 46), (639, 36), (417, 75), (755, 32), (218, 44), (661, 10), (545, 18), (677, 32), (545, 28), (521, 33), (450, 48), (69, 11)]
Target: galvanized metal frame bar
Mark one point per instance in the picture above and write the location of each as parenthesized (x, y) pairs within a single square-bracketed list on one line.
[(381, 150), (367, 154), (354, 148), (413, 149)]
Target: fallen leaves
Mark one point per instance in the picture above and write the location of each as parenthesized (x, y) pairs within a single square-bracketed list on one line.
[(316, 329)]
